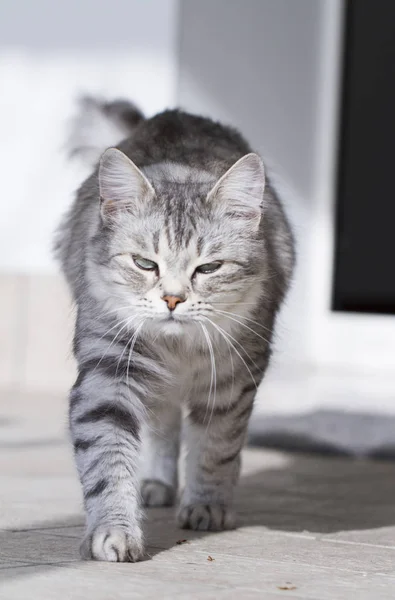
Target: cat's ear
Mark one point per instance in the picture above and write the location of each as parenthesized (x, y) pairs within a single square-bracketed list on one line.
[(122, 185), (239, 192)]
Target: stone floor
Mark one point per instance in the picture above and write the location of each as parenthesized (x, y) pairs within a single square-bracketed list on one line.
[(310, 527)]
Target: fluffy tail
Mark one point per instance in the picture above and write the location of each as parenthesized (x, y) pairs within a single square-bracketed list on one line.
[(99, 125)]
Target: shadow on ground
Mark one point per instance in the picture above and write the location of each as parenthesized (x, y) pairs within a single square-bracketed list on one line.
[(305, 493)]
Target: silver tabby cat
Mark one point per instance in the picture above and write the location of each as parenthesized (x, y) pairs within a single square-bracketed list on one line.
[(178, 255)]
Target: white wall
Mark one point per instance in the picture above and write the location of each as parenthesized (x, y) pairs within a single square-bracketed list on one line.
[(50, 52)]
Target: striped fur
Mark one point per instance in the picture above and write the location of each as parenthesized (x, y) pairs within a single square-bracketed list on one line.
[(142, 369)]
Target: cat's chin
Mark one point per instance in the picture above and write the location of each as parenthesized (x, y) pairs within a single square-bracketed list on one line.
[(173, 326)]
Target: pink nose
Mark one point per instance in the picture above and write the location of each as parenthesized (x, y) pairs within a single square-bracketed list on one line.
[(172, 301)]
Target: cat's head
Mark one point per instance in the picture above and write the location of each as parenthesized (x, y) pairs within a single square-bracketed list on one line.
[(181, 248)]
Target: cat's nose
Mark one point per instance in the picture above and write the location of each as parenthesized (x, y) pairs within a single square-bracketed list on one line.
[(172, 301)]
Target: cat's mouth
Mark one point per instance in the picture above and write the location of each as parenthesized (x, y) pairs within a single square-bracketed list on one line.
[(174, 319)]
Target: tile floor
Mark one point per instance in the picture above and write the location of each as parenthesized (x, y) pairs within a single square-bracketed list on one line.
[(310, 527)]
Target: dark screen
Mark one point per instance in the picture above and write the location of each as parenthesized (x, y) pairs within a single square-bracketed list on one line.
[(365, 220)]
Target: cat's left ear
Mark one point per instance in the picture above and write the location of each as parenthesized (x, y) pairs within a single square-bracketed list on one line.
[(122, 184), (239, 192)]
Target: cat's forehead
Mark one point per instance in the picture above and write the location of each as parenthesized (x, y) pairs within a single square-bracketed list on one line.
[(182, 245), (177, 236), (180, 216)]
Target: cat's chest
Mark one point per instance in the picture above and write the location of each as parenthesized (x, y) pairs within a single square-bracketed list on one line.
[(183, 358), (191, 367), (186, 364)]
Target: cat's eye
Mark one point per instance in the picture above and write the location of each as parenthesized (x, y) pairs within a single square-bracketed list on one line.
[(145, 264), (209, 267)]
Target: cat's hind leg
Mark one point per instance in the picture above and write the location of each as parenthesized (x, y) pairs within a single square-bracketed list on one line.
[(161, 444)]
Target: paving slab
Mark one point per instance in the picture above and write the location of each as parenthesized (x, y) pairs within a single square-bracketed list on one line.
[(310, 527)]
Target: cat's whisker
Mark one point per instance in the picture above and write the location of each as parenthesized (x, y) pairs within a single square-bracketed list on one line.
[(120, 358), (224, 312), (234, 340), (225, 335), (111, 328), (132, 345), (246, 326), (213, 381), (229, 347), (233, 375), (238, 303), (127, 307), (126, 325), (118, 324), (115, 310)]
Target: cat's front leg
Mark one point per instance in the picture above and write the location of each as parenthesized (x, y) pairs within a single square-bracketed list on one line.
[(105, 421), (214, 437)]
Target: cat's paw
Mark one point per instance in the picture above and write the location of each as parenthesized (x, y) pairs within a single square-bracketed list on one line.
[(156, 493), (206, 517), (113, 544)]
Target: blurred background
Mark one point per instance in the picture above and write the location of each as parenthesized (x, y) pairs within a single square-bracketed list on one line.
[(310, 84)]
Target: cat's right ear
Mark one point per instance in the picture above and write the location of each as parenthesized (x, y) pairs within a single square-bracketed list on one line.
[(122, 185)]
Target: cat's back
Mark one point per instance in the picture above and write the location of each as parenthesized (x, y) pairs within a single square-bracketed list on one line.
[(177, 136)]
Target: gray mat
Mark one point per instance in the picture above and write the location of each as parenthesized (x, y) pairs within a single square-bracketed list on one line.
[(327, 432)]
